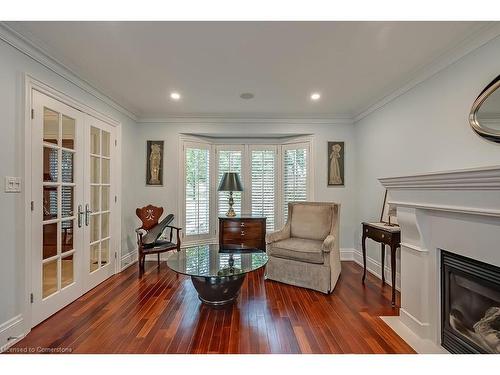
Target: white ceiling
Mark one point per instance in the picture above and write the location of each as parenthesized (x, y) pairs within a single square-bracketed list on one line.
[(352, 64)]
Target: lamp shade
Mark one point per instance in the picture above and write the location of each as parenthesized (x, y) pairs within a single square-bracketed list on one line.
[(230, 182)]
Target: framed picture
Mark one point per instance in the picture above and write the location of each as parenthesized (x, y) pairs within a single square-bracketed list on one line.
[(154, 163), (389, 213), (335, 163)]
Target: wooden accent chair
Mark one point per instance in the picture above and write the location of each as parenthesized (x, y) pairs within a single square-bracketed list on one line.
[(148, 235)]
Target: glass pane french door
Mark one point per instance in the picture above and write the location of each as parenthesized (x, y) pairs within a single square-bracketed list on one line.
[(99, 193), (57, 232), (73, 238)]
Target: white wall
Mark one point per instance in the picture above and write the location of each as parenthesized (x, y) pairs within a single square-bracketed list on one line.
[(426, 129), (13, 65), (167, 196)]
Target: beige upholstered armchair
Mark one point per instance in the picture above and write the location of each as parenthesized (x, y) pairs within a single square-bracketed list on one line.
[(305, 252)]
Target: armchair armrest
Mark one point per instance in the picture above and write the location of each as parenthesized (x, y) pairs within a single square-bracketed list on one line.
[(328, 243), (139, 232), (178, 233), (278, 235)]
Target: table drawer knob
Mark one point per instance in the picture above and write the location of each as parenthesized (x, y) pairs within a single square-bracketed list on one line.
[(383, 236), (366, 230)]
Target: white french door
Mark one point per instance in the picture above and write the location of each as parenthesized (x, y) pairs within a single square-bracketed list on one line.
[(65, 214), (99, 190)]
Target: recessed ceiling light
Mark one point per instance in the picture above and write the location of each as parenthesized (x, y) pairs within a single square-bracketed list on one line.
[(247, 95), (175, 96), (315, 96)]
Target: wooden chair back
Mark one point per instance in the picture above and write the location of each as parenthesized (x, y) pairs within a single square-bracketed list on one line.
[(149, 216)]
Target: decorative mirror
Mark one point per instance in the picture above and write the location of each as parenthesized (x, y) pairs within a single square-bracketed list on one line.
[(485, 113)]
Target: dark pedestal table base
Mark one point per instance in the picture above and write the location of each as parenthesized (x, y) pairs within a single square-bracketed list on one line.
[(218, 291)]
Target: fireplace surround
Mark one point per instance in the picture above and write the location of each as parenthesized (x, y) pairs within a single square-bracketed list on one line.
[(470, 305), (455, 211)]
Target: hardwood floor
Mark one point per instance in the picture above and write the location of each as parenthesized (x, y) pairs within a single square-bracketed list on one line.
[(160, 313)]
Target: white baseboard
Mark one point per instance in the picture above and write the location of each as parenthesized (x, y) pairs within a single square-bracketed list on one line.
[(415, 325), (11, 332), (421, 345), (373, 266), (128, 259)]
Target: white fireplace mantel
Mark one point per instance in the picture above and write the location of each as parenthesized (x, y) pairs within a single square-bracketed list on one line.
[(456, 211)]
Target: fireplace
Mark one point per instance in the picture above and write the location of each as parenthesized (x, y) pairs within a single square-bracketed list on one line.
[(470, 305)]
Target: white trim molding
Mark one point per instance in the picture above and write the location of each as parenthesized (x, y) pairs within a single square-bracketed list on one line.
[(456, 211), (11, 332), (30, 49), (35, 51), (246, 119), (484, 178), (30, 84), (373, 266), (128, 260), (474, 41)]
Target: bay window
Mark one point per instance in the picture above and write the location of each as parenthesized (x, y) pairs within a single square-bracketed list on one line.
[(228, 160), (272, 176), (263, 185), (197, 190)]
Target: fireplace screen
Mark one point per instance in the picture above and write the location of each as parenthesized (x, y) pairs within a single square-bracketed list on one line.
[(470, 305)]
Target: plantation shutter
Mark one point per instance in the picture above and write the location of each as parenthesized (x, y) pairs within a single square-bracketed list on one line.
[(228, 161), (197, 182), (263, 165), (295, 175)]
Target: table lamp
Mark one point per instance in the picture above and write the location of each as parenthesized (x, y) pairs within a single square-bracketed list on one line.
[(230, 182)]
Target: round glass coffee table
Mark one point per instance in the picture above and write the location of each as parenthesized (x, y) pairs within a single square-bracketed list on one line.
[(217, 274)]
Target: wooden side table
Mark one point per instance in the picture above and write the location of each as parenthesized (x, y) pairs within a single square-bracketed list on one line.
[(248, 231), (385, 235)]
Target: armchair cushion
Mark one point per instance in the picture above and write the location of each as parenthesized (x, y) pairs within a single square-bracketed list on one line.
[(159, 245), (313, 222), (300, 249)]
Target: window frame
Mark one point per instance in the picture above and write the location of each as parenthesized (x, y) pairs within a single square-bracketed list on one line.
[(197, 238), (265, 147), (246, 145), (310, 176), (243, 178)]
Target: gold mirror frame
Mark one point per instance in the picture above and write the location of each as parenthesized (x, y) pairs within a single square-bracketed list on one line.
[(489, 134)]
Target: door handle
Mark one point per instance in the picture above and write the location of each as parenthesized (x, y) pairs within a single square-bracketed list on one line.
[(80, 213), (87, 212)]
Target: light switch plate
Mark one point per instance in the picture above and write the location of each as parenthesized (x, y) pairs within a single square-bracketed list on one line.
[(12, 184)]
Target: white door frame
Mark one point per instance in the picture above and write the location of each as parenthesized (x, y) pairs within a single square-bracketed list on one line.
[(31, 83)]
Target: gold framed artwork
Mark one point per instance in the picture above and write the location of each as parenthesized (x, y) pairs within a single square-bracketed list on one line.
[(335, 164), (154, 163)]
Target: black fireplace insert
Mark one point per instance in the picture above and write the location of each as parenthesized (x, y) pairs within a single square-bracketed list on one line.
[(470, 305)]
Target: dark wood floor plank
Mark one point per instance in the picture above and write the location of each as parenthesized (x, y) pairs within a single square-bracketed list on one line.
[(160, 313)]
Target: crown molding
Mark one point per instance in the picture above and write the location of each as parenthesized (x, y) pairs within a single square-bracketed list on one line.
[(484, 178), (235, 120), (28, 48), (477, 39), (474, 41)]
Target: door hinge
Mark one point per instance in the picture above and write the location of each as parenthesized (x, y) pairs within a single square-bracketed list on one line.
[(31, 298), (116, 142), (32, 206), (116, 198), (115, 254), (32, 113)]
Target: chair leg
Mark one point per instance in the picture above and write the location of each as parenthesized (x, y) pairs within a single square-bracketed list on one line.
[(158, 259), (142, 259)]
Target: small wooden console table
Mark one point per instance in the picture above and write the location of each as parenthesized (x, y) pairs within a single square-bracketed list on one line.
[(385, 235)]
